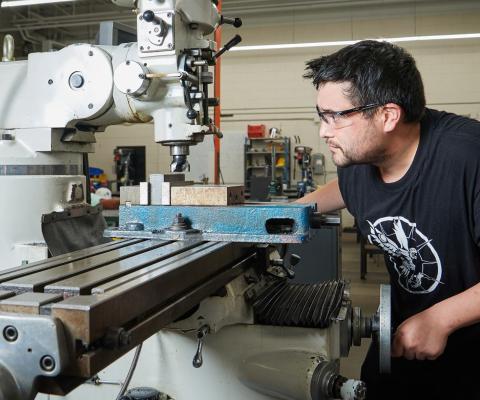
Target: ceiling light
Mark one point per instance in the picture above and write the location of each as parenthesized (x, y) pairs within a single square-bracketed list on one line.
[(349, 42), (18, 3)]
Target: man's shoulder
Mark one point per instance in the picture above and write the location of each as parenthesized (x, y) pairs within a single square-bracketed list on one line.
[(456, 134), (449, 125)]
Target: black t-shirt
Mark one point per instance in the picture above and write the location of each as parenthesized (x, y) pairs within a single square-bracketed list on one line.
[(428, 222)]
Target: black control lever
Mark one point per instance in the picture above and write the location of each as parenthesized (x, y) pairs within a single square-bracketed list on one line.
[(236, 22), (233, 42)]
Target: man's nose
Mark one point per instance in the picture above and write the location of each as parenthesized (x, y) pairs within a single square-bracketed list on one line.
[(325, 130)]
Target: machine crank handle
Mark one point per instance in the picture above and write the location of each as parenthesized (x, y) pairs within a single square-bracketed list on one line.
[(198, 357), (233, 42)]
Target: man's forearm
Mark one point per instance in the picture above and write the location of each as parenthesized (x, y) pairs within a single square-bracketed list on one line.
[(424, 335), (460, 310), (328, 198)]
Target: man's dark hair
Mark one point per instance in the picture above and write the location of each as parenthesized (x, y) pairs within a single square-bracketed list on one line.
[(379, 72)]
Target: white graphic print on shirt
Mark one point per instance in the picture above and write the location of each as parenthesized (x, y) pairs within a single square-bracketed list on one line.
[(410, 253)]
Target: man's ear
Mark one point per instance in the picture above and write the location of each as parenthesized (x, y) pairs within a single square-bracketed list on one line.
[(391, 116)]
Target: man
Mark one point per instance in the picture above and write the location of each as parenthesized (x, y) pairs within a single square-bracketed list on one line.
[(411, 178)]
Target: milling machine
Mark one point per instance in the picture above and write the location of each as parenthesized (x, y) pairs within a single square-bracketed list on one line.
[(217, 289)]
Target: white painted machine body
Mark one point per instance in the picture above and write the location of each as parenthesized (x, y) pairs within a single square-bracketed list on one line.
[(52, 104)]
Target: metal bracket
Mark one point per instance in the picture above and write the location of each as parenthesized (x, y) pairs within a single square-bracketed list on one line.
[(30, 346)]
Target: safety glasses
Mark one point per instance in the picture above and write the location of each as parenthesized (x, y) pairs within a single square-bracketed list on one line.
[(339, 119)]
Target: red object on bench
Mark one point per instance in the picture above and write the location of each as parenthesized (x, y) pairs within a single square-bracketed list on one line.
[(256, 131)]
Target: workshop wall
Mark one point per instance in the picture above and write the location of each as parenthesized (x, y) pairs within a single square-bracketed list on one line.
[(267, 86)]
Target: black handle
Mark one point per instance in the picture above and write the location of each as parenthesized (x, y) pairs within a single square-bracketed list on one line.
[(236, 22), (233, 42)]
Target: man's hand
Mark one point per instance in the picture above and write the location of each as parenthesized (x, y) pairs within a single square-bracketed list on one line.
[(422, 336)]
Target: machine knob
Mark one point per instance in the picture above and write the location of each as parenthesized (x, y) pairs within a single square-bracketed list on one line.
[(148, 16), (192, 114), (237, 22)]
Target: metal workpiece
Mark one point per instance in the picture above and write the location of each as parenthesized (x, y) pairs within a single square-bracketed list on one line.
[(207, 195), (259, 223), (31, 347)]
